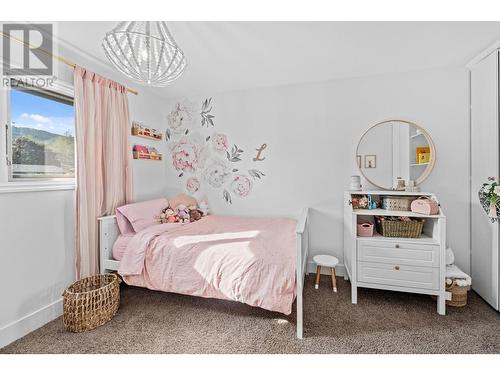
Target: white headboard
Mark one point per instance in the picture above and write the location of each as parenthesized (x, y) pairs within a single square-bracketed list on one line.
[(108, 233)]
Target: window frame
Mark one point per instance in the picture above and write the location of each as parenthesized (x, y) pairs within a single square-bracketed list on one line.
[(37, 183)]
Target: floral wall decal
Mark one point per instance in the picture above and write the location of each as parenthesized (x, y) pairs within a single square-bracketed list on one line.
[(206, 117), (192, 185), (180, 119), (206, 161), (235, 154), (188, 153)]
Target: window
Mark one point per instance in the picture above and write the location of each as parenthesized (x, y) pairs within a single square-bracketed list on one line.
[(41, 134)]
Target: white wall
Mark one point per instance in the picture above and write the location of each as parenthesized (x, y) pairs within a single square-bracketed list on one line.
[(37, 228), (37, 258), (312, 132)]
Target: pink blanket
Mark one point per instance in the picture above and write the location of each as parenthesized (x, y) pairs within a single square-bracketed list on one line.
[(250, 260)]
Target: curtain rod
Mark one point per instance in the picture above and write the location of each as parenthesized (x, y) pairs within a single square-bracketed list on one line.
[(60, 58)]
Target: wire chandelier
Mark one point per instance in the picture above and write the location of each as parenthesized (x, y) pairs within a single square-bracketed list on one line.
[(145, 51)]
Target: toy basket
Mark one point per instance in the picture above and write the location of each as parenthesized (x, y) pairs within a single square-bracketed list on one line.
[(91, 302), (396, 203), (399, 228), (458, 295), (365, 229)]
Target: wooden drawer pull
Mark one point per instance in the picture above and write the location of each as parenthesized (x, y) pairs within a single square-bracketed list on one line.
[(397, 246), (396, 268)]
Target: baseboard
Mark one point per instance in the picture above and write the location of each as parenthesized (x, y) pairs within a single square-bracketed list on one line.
[(21, 327), (339, 269)]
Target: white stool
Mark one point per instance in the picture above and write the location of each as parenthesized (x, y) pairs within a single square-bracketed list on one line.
[(326, 261)]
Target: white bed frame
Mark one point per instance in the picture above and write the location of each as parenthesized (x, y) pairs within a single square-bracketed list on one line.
[(108, 232)]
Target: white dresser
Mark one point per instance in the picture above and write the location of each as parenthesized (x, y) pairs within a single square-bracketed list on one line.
[(413, 265)]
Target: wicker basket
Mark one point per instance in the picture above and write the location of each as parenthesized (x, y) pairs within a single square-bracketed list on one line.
[(91, 302), (458, 295), (396, 203), (399, 228)]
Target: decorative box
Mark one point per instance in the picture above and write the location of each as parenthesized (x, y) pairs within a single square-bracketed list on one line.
[(426, 206), (395, 203)]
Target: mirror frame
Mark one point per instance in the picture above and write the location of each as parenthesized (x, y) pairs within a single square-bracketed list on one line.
[(427, 136)]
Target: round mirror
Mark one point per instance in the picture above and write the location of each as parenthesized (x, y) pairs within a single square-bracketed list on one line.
[(393, 150)]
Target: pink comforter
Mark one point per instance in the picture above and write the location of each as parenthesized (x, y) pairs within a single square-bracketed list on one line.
[(250, 260)]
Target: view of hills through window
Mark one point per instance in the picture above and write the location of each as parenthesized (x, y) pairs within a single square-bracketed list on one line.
[(42, 135)]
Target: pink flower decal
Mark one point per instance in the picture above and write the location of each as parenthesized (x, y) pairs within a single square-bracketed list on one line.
[(219, 141), (192, 185), (241, 185), (188, 153)]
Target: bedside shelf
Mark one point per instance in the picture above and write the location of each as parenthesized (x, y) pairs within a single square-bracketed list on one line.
[(382, 212), (390, 192), (412, 265), (424, 238)]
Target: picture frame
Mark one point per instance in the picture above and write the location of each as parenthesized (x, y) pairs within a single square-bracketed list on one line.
[(370, 161)]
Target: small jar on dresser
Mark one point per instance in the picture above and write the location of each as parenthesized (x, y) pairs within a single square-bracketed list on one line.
[(413, 265)]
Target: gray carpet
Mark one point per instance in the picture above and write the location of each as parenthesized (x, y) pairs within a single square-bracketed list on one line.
[(382, 322)]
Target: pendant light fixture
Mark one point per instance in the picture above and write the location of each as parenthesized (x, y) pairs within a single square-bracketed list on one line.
[(145, 51)]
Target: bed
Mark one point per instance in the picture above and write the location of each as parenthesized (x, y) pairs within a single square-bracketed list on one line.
[(257, 261)]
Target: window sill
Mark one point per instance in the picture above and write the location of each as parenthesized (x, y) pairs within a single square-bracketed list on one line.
[(32, 186)]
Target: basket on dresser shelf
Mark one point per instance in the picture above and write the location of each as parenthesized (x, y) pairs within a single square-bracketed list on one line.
[(91, 302), (399, 228), (458, 294), (365, 229), (394, 203)]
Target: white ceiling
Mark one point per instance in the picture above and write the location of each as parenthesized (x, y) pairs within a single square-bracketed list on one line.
[(227, 56)]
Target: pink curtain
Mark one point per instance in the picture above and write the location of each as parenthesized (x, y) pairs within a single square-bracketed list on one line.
[(104, 164)]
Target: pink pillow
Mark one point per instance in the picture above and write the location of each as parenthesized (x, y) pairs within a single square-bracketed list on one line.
[(135, 217)]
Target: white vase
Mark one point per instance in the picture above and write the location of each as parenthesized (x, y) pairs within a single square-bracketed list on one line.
[(355, 183)]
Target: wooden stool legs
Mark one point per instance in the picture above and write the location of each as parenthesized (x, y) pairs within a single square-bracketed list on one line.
[(334, 280), (318, 275)]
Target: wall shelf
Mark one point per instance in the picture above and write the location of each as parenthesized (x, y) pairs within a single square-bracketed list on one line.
[(144, 156), (159, 138)]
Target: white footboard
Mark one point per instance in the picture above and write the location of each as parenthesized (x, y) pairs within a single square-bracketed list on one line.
[(108, 232), (302, 252)]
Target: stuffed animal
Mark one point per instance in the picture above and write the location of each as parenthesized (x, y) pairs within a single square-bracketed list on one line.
[(167, 216), (170, 215), (183, 213), (195, 215), (203, 207)]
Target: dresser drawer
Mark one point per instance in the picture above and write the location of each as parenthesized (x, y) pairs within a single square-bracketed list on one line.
[(411, 254), (398, 275)]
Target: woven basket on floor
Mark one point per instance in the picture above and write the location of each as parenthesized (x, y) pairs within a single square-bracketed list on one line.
[(91, 302), (458, 295)]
